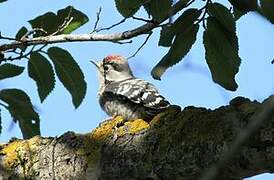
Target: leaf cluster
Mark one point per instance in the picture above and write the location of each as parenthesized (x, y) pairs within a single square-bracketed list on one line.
[(43, 67)]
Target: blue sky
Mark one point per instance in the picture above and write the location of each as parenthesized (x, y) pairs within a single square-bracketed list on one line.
[(186, 84)]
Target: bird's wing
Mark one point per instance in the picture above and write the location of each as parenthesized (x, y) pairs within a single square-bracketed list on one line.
[(140, 92)]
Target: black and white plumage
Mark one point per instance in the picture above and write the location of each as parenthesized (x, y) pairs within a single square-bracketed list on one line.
[(120, 93)]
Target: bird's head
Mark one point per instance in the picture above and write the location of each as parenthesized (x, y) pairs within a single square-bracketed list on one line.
[(114, 68)]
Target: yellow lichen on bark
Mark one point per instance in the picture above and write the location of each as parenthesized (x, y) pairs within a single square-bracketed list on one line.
[(11, 154), (133, 127), (108, 128), (18, 149), (94, 141), (114, 128), (105, 129)]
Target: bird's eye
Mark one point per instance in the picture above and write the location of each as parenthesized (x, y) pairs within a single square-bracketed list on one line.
[(106, 68)]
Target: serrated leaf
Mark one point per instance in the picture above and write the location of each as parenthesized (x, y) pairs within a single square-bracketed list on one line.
[(78, 18), (186, 19), (267, 9), (182, 22), (66, 21), (22, 31), (128, 8), (222, 15), (158, 9), (245, 5), (221, 55), (69, 73), (238, 13), (166, 36), (10, 70), (41, 71), (182, 44), (48, 22), (21, 109)]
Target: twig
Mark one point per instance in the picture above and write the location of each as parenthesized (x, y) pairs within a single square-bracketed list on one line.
[(7, 38), (25, 36), (5, 106), (142, 19), (123, 42), (10, 51), (21, 55), (203, 18), (97, 19), (255, 123), (142, 45), (112, 26), (189, 3), (65, 24), (42, 51)]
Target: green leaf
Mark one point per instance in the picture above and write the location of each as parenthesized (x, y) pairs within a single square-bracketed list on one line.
[(10, 70), (158, 9), (41, 71), (128, 8), (66, 21), (69, 73), (186, 19), (3, 1), (182, 44), (222, 57), (48, 22), (267, 9), (222, 15), (166, 36), (245, 5), (238, 13), (22, 31), (77, 19), (21, 109), (183, 22)]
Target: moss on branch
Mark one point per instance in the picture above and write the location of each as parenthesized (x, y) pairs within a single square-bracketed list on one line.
[(174, 145)]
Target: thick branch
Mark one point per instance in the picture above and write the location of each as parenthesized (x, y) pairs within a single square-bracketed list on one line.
[(114, 37), (174, 145), (111, 37)]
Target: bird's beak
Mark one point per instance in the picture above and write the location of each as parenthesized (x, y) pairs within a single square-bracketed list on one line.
[(96, 64)]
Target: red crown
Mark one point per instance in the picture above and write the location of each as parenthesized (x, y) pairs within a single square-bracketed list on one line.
[(112, 58)]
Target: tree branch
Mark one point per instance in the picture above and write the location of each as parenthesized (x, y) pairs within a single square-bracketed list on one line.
[(174, 145), (256, 122), (111, 37)]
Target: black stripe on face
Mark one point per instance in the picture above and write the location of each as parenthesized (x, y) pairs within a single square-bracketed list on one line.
[(115, 66)]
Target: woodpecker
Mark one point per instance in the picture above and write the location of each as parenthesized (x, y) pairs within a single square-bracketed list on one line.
[(121, 93)]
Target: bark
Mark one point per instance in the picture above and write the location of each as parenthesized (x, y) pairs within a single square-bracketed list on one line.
[(174, 145)]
